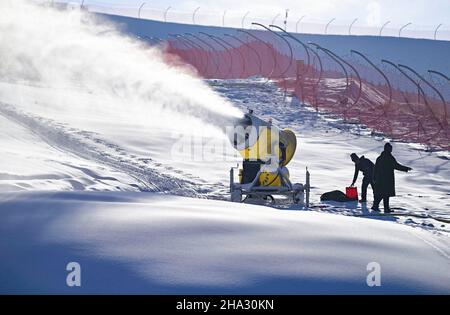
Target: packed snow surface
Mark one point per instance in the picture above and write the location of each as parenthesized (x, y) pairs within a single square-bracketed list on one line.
[(151, 243)]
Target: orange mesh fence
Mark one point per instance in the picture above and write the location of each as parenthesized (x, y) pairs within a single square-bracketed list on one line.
[(388, 98)]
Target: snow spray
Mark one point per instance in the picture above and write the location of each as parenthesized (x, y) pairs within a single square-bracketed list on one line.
[(98, 68)]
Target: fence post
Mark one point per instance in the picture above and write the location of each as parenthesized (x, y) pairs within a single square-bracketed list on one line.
[(299, 20), (380, 72), (165, 13), (328, 24), (213, 50), (269, 47), (275, 17), (419, 88), (243, 71), (384, 25), (220, 43), (291, 52), (433, 88), (200, 50), (436, 30), (354, 70), (285, 19), (332, 56), (193, 15), (440, 74), (139, 10), (402, 28), (250, 48), (351, 25), (243, 18)]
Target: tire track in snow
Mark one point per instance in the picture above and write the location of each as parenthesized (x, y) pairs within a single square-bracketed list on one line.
[(438, 249)]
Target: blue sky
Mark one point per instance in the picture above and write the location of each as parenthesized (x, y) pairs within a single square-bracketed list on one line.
[(371, 12)]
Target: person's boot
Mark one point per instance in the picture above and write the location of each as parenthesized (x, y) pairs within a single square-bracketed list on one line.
[(375, 208), (386, 207)]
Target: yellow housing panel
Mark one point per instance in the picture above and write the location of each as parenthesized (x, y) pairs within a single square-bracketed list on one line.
[(290, 141), (269, 179), (267, 145)]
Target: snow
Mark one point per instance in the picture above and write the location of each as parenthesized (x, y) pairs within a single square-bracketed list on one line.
[(150, 153), (152, 243), (148, 243), (129, 177), (28, 163)]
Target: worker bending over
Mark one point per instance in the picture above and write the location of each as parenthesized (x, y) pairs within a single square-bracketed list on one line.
[(366, 167)]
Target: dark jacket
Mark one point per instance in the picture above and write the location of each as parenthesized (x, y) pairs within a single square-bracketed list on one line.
[(365, 166), (384, 174)]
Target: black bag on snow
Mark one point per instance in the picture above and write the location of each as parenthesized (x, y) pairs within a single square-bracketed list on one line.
[(335, 195)]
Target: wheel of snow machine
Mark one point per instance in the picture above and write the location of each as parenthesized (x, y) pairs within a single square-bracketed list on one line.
[(265, 198), (296, 199), (272, 200)]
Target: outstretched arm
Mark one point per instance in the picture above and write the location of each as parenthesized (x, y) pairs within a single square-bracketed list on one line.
[(400, 167)]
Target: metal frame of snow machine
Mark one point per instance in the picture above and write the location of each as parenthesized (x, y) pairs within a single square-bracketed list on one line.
[(299, 193)]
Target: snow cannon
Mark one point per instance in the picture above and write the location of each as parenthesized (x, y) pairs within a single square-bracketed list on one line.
[(266, 151)]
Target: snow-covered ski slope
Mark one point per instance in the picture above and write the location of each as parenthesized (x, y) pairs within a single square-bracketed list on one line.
[(149, 243), (94, 169)]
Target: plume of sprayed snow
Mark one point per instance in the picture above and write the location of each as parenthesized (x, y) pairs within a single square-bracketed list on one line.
[(99, 69)]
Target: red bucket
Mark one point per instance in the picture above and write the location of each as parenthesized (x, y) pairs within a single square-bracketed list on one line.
[(351, 193)]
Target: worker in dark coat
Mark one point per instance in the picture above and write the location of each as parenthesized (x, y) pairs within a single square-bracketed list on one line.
[(384, 177), (366, 167)]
